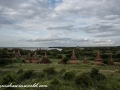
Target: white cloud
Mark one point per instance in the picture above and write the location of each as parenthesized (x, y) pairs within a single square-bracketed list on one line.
[(67, 21)]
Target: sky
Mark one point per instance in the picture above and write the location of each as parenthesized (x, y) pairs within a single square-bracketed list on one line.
[(45, 23)]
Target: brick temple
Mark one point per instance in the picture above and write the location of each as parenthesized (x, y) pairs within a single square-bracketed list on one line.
[(28, 58), (85, 61), (111, 61), (17, 54), (73, 59), (34, 59), (45, 59), (98, 60), (62, 60)]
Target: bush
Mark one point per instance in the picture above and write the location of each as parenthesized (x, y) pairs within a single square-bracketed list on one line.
[(96, 75), (62, 70), (49, 71), (26, 75), (94, 71), (69, 75), (9, 78), (20, 71), (84, 80), (55, 81), (65, 59)]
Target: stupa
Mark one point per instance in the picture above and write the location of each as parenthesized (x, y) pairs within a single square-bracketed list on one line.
[(62, 60), (35, 58), (18, 54), (45, 59), (73, 59), (111, 60), (29, 58), (85, 60), (98, 60)]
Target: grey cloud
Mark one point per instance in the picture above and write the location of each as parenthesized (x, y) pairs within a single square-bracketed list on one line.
[(65, 40), (102, 30), (103, 41), (69, 27)]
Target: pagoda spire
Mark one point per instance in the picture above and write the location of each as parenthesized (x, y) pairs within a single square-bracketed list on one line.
[(62, 60), (98, 60), (73, 59), (45, 55), (28, 58), (45, 59), (18, 54), (85, 60), (35, 58), (111, 60)]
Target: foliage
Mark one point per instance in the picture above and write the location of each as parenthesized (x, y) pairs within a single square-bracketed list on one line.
[(69, 75), (49, 70), (55, 81), (96, 75), (84, 80), (9, 78), (26, 75), (65, 59)]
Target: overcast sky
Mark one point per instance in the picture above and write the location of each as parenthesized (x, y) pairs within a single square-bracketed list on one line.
[(44, 23)]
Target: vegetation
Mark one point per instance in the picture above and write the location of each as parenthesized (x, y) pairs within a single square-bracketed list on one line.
[(61, 76)]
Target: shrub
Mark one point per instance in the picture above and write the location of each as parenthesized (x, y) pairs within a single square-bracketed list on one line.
[(62, 70), (55, 81), (26, 75), (49, 71), (84, 80), (20, 71), (69, 75), (9, 78), (94, 71), (65, 59), (96, 75)]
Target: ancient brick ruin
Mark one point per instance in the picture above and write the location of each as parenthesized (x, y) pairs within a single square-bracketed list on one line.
[(73, 59), (111, 61), (85, 61), (17, 54), (62, 60), (33, 59), (98, 60), (45, 59)]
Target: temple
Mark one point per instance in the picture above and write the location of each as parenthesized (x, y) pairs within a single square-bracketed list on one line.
[(62, 60), (98, 60), (33, 59), (111, 60), (45, 59), (29, 58), (18, 54), (73, 59), (85, 60)]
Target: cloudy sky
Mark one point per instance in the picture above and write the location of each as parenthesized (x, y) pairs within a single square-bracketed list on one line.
[(43, 23)]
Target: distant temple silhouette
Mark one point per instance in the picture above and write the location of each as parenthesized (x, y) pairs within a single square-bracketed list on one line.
[(85, 61), (28, 58), (17, 54), (33, 59), (111, 61), (45, 59), (98, 60), (62, 60), (73, 59)]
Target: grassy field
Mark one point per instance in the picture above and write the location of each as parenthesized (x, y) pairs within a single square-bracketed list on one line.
[(108, 71), (79, 68)]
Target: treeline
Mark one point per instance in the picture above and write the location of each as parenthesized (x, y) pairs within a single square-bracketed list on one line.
[(7, 55)]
